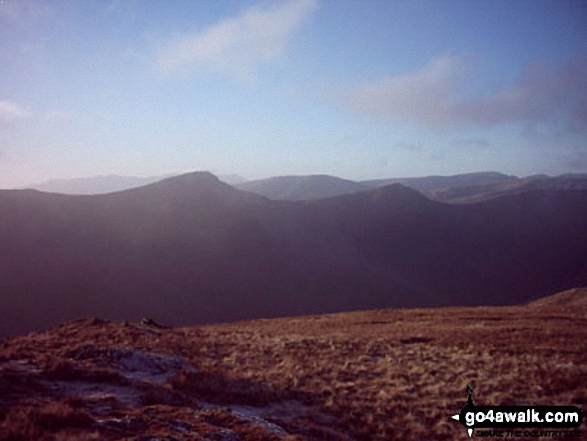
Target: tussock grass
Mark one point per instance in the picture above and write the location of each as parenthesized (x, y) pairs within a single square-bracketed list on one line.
[(376, 375), (42, 418), (399, 374)]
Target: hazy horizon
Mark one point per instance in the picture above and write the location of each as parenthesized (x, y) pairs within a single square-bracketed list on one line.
[(236, 178), (263, 88)]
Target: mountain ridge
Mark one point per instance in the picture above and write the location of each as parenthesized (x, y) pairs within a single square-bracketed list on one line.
[(103, 184), (461, 188), (191, 249)]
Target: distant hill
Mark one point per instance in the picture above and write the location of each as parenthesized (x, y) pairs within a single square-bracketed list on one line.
[(322, 186), (576, 297), (302, 187), (191, 249), (429, 183), (481, 192), (110, 183), (465, 188), (95, 185)]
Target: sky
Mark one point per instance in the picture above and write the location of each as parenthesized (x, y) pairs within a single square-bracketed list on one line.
[(359, 89)]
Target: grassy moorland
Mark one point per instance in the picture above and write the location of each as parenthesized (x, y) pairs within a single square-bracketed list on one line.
[(376, 375)]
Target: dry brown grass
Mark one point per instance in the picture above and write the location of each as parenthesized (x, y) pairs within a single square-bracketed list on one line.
[(399, 374), (46, 420), (378, 375)]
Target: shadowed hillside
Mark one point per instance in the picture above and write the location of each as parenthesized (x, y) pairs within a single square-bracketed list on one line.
[(430, 183), (465, 188), (321, 186), (191, 249)]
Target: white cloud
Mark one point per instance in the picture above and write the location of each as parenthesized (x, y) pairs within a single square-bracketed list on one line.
[(422, 95), (22, 10), (429, 96), (236, 46), (11, 112)]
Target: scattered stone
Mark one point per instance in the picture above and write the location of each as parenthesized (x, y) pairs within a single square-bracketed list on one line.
[(153, 324)]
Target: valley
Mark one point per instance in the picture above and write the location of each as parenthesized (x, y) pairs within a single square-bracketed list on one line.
[(191, 250)]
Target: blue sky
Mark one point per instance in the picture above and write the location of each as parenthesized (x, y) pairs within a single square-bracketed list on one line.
[(352, 88)]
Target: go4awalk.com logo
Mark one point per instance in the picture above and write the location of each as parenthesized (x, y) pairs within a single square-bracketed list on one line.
[(508, 421)]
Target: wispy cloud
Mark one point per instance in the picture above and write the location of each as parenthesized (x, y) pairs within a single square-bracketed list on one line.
[(17, 10), (11, 112), (236, 46), (422, 95), (429, 96)]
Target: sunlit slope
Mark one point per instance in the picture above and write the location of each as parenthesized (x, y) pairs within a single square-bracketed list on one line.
[(571, 298), (371, 375)]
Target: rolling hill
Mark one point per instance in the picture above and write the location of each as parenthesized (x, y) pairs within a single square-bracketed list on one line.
[(109, 184), (428, 183), (322, 186), (464, 188), (482, 192), (191, 249)]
